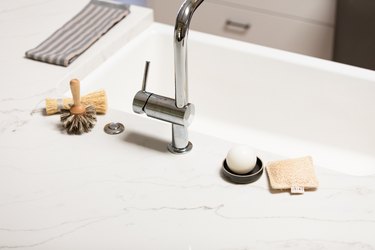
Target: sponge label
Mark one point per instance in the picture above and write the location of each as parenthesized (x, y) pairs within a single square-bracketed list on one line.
[(297, 190)]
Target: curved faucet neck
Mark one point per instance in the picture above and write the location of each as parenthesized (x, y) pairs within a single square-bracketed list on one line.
[(181, 31)]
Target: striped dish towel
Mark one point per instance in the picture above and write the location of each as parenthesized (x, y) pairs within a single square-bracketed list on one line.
[(78, 34)]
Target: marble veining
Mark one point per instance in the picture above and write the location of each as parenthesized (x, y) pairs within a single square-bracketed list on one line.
[(99, 192), (76, 225), (106, 194)]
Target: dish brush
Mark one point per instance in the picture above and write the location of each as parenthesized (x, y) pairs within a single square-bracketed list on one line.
[(79, 119), (97, 99)]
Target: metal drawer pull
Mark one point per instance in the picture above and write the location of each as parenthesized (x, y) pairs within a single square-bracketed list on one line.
[(244, 26)]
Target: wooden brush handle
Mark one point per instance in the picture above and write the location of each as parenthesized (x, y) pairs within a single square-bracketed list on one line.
[(77, 107), (76, 93)]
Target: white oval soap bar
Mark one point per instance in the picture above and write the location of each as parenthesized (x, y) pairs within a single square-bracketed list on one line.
[(241, 159)]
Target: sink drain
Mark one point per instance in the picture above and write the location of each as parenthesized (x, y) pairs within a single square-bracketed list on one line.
[(114, 128)]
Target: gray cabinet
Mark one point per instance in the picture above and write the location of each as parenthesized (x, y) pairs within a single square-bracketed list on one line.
[(301, 26)]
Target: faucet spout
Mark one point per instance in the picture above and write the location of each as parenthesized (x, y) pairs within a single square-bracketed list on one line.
[(179, 112), (181, 31)]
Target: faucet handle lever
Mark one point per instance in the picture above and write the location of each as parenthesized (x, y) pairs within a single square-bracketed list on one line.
[(142, 96), (145, 74)]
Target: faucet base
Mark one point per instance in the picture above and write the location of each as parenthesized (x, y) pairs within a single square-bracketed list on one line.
[(184, 150)]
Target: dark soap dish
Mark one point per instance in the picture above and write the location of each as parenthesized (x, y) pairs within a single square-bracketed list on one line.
[(247, 178)]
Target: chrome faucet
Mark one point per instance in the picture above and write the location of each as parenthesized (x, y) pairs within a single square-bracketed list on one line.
[(177, 111)]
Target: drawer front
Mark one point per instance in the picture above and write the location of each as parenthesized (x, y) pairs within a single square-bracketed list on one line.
[(321, 11), (273, 31)]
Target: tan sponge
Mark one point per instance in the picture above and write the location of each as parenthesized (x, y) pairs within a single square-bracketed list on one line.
[(287, 174)]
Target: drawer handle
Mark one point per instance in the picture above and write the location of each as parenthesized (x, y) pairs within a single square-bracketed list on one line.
[(244, 26)]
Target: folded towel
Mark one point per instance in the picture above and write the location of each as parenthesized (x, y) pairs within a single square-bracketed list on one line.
[(78, 34)]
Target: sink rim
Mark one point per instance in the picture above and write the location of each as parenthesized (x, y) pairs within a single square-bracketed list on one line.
[(270, 142)]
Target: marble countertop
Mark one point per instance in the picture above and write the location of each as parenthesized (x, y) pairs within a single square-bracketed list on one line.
[(97, 191), (25, 83)]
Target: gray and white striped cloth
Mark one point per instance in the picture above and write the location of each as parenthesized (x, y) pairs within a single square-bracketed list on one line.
[(78, 34)]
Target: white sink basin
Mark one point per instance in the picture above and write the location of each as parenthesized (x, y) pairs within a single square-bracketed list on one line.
[(276, 101)]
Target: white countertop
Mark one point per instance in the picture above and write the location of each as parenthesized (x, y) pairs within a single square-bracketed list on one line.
[(24, 25), (78, 192)]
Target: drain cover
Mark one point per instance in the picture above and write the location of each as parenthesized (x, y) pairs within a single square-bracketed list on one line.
[(114, 128)]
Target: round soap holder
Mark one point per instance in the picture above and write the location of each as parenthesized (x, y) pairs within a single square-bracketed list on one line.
[(247, 178)]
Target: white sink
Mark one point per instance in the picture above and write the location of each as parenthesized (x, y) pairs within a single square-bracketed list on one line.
[(284, 103)]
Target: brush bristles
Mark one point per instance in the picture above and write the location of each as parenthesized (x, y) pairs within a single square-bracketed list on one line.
[(79, 124), (54, 106), (97, 99), (51, 106)]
